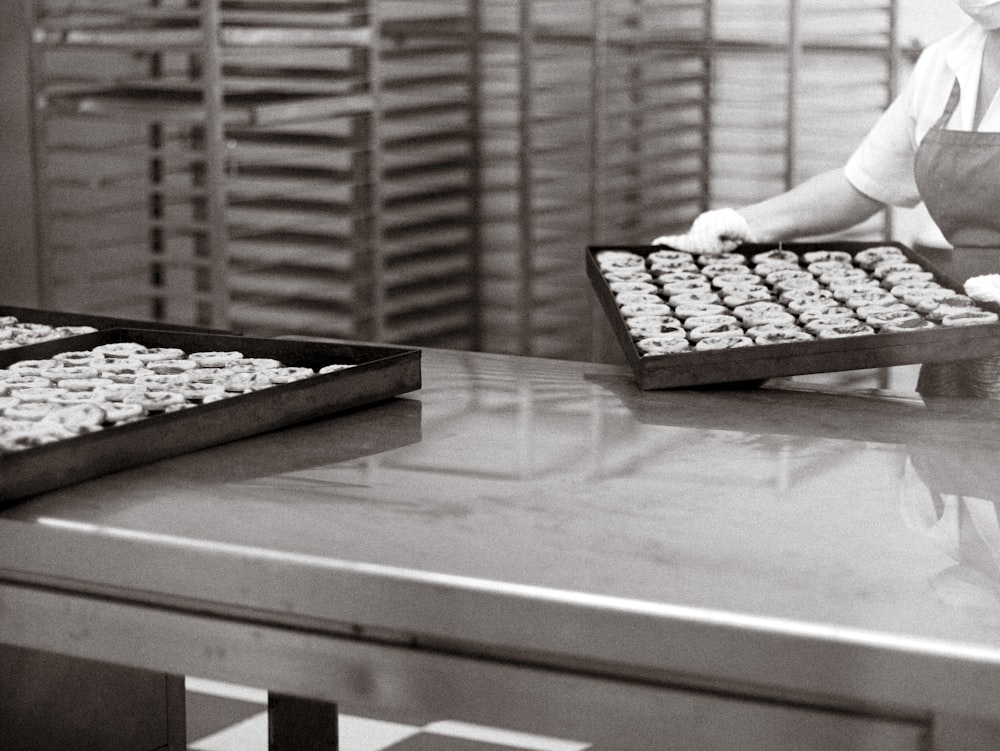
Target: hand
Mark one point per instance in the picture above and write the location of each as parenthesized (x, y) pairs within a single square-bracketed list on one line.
[(716, 231), (985, 288)]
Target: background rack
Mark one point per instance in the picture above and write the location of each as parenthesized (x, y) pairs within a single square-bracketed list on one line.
[(595, 124), (797, 85), (422, 172), (298, 167)]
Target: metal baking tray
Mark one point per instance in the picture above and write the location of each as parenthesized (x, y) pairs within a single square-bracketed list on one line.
[(760, 362), (380, 372), (42, 350)]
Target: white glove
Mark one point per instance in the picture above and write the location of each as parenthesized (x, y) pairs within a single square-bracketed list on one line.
[(985, 288), (716, 231)]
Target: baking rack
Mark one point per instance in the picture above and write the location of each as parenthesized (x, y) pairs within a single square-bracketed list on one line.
[(418, 172), (271, 166), (594, 124)]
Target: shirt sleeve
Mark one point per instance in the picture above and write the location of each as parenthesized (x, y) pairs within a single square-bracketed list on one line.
[(882, 165)]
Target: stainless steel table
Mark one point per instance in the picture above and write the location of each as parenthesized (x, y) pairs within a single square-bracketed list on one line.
[(538, 544)]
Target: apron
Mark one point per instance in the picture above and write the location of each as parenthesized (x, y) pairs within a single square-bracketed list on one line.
[(958, 176)]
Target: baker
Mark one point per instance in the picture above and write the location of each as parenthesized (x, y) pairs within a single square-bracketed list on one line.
[(938, 142)]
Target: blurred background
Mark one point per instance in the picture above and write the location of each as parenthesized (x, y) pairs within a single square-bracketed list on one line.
[(427, 172)]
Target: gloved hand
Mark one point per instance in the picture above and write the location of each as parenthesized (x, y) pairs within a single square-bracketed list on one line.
[(716, 231), (985, 288)]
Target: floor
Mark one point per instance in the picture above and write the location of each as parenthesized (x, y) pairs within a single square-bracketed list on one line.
[(224, 717)]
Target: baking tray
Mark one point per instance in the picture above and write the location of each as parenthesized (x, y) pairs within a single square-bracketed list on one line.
[(760, 362), (43, 350), (379, 373)]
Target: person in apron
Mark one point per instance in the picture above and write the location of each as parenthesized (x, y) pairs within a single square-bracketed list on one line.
[(958, 175), (939, 143)]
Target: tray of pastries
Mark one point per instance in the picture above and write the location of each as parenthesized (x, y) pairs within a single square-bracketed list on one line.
[(765, 311), (34, 332), (118, 398)]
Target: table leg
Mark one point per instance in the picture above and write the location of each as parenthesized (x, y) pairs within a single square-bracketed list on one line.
[(52, 701), (296, 724)]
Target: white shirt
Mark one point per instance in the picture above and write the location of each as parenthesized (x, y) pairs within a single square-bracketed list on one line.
[(882, 165)]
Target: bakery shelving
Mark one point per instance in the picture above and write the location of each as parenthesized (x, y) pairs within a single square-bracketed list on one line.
[(283, 165), (652, 118), (593, 118), (299, 198), (428, 156), (797, 84), (128, 158), (363, 226), (535, 109), (421, 172)]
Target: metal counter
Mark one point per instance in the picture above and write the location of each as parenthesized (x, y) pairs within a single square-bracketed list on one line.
[(542, 544)]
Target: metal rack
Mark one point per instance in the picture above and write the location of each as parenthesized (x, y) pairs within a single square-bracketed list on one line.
[(360, 225), (419, 172), (594, 119), (129, 111), (284, 167), (535, 112)]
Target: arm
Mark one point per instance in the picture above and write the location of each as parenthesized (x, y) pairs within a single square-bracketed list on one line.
[(823, 204)]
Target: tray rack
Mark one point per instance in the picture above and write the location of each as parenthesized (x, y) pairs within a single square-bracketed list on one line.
[(593, 127), (272, 166)]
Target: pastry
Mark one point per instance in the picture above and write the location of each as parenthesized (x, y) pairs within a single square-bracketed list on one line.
[(909, 324), (713, 270), (715, 319), (870, 257), (818, 268), (881, 319), (662, 345), (770, 328), (689, 309), (784, 256), (716, 329), (843, 275), (646, 309), (783, 336), (670, 256), (836, 311), (836, 331), (736, 298), (695, 297), (818, 256), (737, 281), (617, 259), (969, 318), (883, 269), (614, 286), (754, 308), (784, 275), (708, 259), (653, 326), (768, 317), (723, 342)]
